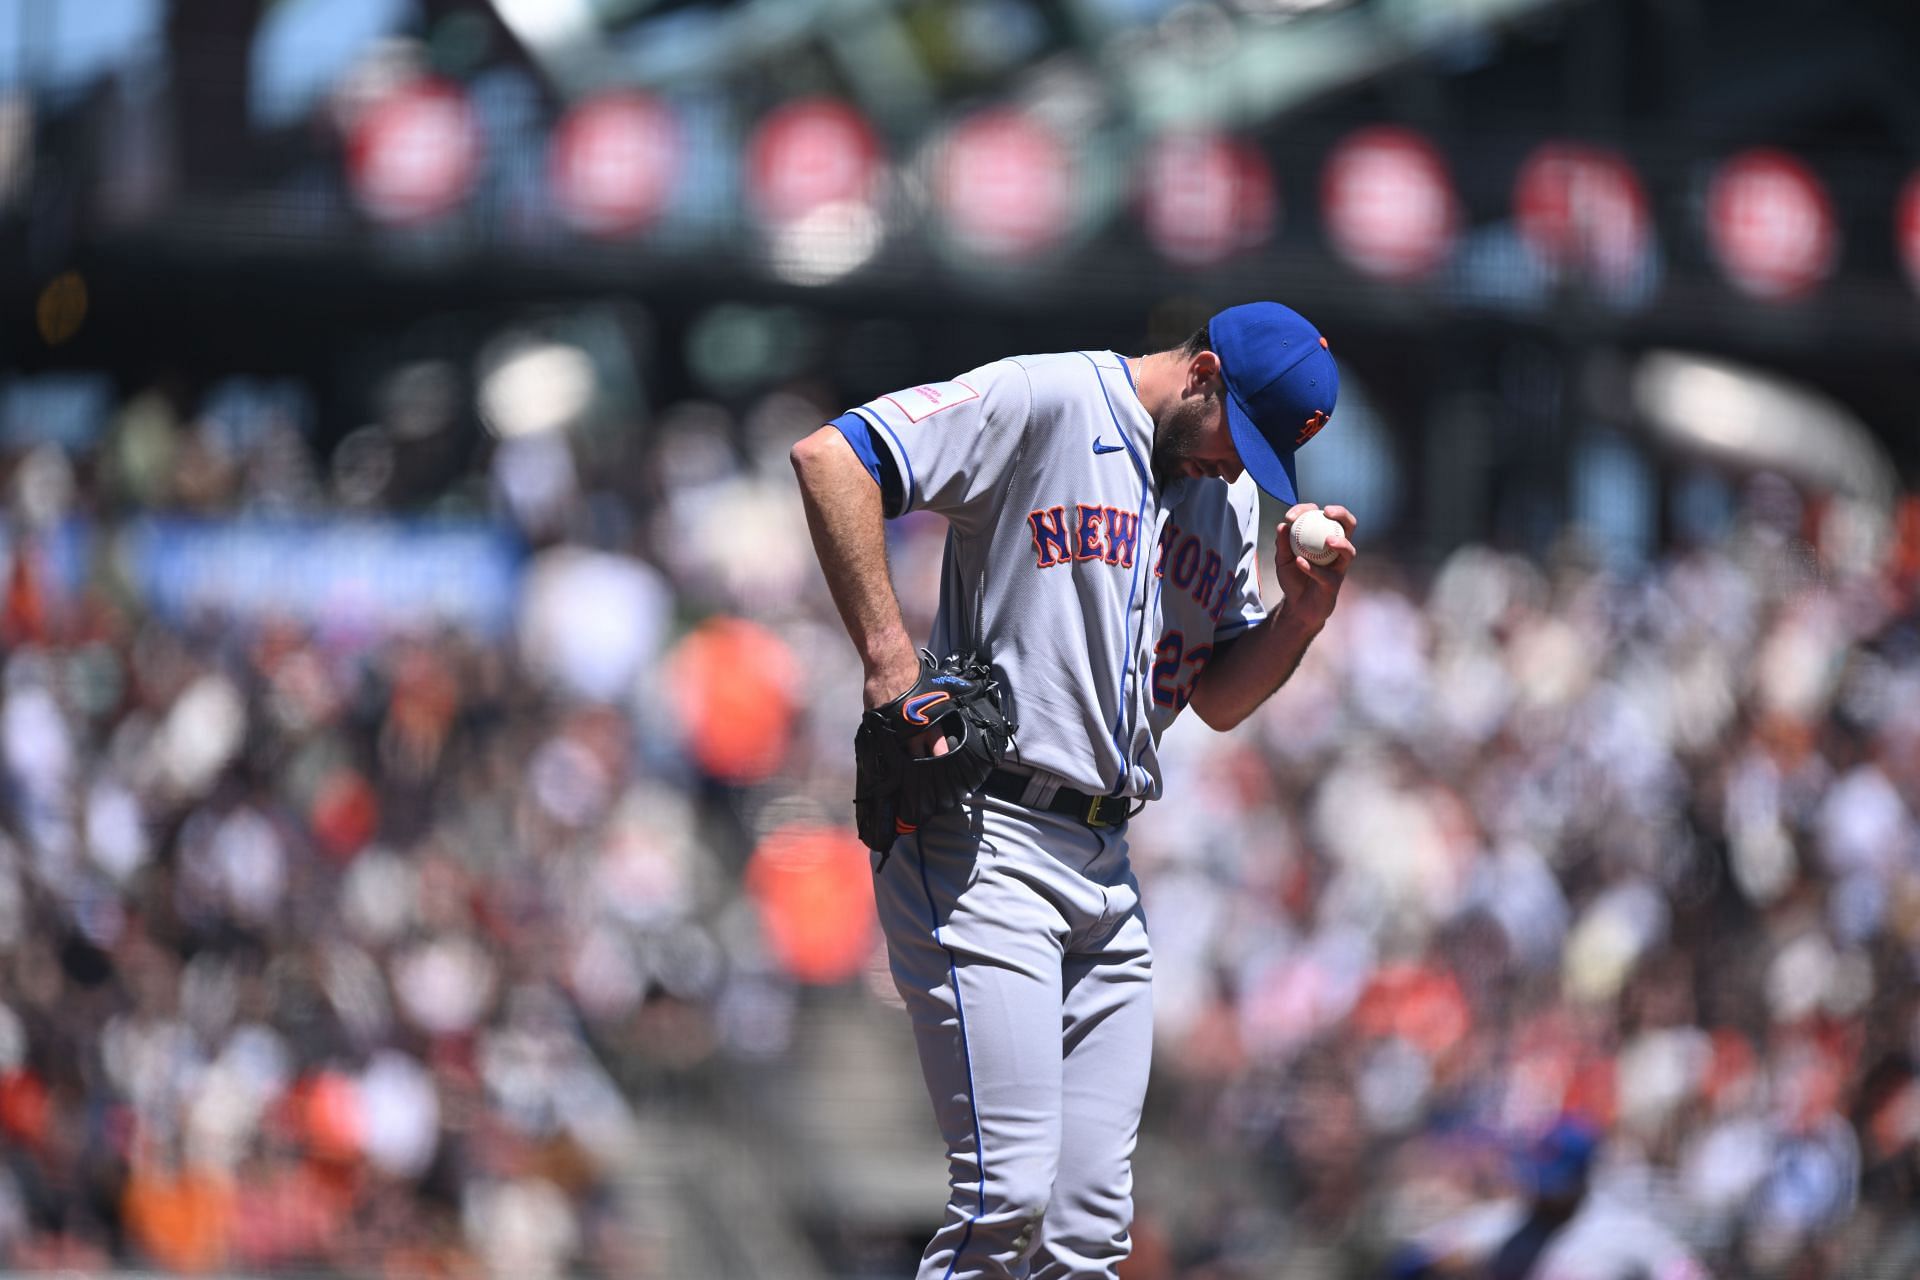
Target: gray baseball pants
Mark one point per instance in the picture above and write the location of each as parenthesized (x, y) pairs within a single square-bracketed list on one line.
[(1017, 941)]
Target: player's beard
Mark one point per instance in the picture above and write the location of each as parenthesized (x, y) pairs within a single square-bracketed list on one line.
[(1178, 434)]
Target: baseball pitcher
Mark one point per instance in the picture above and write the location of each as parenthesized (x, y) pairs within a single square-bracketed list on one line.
[(1100, 577)]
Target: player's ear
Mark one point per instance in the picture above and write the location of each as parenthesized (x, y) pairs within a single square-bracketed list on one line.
[(1203, 373)]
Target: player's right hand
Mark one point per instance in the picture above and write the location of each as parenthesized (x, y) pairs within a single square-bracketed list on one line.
[(887, 681), (1314, 589)]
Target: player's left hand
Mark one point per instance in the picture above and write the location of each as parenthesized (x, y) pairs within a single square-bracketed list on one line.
[(1314, 589)]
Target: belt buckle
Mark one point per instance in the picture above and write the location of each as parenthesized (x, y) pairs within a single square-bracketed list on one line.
[(1093, 818)]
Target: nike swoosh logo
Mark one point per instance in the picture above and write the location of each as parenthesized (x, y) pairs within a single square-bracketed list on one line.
[(1101, 446), (915, 709)]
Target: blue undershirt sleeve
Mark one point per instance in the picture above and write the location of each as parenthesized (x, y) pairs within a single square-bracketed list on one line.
[(879, 463)]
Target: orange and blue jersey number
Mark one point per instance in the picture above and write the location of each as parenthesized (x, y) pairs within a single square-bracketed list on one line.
[(1172, 681)]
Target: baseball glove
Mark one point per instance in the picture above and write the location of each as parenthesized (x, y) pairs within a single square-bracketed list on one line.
[(898, 781)]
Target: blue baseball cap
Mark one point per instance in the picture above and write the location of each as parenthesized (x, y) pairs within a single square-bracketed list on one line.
[(1558, 1162), (1281, 386)]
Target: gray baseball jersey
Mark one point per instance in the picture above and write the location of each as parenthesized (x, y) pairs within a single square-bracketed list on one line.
[(1015, 935), (1097, 596)]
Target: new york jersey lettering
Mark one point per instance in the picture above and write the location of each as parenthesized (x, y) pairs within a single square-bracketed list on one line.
[(1049, 536), (1201, 571), (1123, 536), (1088, 540), (1094, 532)]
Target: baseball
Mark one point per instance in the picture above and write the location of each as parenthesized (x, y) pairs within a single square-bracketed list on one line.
[(1309, 537)]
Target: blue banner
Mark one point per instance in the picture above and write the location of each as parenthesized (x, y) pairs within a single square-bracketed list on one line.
[(333, 575)]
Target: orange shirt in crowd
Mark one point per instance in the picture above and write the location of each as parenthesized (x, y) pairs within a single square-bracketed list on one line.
[(181, 1218), (814, 888), (732, 682)]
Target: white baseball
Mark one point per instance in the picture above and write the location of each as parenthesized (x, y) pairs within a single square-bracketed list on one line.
[(1309, 537)]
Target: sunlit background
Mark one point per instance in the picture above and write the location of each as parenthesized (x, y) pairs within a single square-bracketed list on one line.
[(424, 825)]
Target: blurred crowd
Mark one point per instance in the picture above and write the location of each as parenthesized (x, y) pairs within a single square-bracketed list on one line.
[(361, 947), (345, 939), (1537, 843)]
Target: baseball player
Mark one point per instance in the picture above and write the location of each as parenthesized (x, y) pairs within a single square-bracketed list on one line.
[(1101, 575)]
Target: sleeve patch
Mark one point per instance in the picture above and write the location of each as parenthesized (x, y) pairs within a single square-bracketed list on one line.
[(930, 398)]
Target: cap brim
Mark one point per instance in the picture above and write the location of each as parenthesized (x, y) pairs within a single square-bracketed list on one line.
[(1270, 469)]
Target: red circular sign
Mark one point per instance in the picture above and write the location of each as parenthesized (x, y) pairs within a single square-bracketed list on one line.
[(613, 163), (1389, 203), (1907, 228), (1770, 224), (1583, 207), (1207, 197), (413, 155), (809, 154), (1005, 183)]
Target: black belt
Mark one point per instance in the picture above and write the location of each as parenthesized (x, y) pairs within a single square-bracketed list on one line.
[(1093, 811)]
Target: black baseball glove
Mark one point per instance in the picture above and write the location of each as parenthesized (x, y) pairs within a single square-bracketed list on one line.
[(898, 781)]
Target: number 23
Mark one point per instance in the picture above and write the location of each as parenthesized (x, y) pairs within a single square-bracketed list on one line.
[(1169, 656)]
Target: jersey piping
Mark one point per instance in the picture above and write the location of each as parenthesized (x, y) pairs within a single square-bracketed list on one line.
[(899, 448), (1126, 703)]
